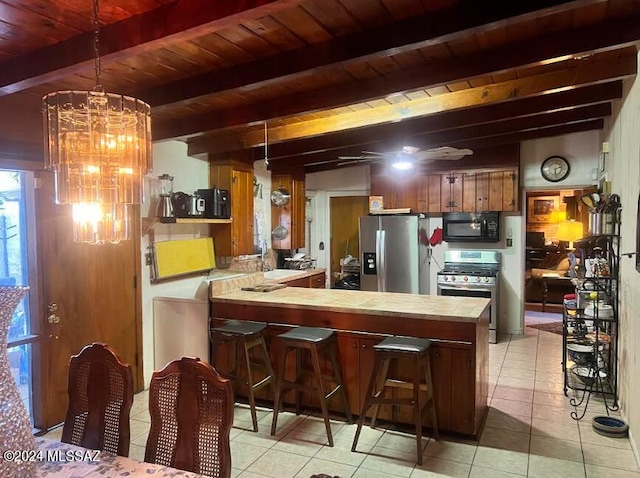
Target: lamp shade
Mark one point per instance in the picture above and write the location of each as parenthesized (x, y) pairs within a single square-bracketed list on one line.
[(557, 216), (570, 231)]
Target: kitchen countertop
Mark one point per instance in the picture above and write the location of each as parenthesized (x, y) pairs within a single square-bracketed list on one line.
[(293, 274), (220, 287), (388, 304)]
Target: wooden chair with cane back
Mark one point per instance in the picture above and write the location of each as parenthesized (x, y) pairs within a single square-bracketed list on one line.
[(100, 398), (191, 409)]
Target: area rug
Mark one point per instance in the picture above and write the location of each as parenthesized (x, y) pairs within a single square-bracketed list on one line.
[(553, 327)]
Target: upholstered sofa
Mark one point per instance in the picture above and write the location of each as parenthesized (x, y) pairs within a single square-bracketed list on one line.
[(555, 264)]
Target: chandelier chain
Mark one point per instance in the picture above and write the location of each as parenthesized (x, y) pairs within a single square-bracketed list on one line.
[(96, 44)]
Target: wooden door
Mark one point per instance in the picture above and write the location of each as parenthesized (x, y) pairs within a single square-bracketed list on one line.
[(298, 214), (345, 239), (430, 193), (470, 200), (482, 192), (503, 190), (94, 289), (242, 210)]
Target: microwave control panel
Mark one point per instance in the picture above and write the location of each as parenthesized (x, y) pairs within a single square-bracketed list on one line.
[(493, 230)]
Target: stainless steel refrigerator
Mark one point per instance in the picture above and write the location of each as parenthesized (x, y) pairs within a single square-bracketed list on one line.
[(394, 254)]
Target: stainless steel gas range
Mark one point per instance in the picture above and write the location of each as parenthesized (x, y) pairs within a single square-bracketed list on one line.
[(473, 274)]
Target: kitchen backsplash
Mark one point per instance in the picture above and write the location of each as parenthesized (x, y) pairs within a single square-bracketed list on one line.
[(251, 263)]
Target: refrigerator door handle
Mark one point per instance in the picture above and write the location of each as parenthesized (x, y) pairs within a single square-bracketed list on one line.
[(382, 271), (378, 269)]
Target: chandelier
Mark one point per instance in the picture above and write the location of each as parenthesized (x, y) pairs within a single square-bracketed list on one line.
[(99, 146)]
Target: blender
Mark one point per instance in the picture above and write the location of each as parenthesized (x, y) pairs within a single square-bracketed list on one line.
[(165, 208)]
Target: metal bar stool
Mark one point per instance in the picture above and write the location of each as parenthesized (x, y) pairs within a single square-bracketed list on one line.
[(248, 335), (316, 341), (395, 348)]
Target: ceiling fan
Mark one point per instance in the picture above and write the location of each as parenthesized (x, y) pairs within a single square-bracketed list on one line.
[(406, 157)]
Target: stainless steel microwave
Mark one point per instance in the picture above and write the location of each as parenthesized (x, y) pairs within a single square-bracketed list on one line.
[(471, 227)]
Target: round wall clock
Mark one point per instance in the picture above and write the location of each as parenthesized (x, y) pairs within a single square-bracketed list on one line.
[(555, 168)]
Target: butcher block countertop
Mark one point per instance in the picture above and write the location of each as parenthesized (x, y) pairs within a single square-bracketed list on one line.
[(388, 304)]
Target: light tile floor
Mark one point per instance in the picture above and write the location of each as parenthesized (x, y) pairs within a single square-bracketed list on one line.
[(529, 431)]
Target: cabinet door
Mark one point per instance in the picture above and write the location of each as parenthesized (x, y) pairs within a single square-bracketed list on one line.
[(470, 200), (398, 191), (452, 198), (317, 281), (348, 352), (235, 238), (357, 358), (298, 216), (482, 192), (304, 282), (462, 390), (433, 193), (503, 190), (441, 376), (242, 212), (292, 215)]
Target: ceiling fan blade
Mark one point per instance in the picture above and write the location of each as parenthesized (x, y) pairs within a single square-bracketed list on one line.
[(364, 156), (374, 153), (318, 163), (354, 162), (443, 153)]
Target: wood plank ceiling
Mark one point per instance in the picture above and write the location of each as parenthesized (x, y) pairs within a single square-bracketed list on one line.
[(326, 77)]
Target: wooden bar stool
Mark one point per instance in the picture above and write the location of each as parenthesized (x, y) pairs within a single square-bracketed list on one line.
[(395, 348), (316, 341), (245, 336)]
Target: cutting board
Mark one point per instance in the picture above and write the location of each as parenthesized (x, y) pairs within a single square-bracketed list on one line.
[(188, 256), (263, 287)]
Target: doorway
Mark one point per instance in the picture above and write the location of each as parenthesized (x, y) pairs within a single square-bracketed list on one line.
[(17, 266), (549, 252), (345, 212)]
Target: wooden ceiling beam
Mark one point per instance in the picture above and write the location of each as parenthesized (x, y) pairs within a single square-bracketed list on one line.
[(545, 132), (404, 131), (581, 41), (462, 20), (579, 72), (170, 23), (463, 134)]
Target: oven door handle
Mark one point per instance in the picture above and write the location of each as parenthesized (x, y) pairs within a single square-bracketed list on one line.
[(467, 287)]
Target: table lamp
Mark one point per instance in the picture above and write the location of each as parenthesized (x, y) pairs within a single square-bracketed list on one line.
[(557, 216), (570, 231)]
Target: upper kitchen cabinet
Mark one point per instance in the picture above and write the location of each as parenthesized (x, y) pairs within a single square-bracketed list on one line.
[(398, 191), (288, 213), (482, 190), (455, 191), (236, 176), (504, 190)]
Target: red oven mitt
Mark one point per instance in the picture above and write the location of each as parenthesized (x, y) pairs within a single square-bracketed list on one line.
[(436, 237)]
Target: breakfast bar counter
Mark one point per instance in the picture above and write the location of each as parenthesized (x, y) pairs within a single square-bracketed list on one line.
[(458, 326)]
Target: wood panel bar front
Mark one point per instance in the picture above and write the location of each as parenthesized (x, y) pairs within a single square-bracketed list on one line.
[(361, 319)]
